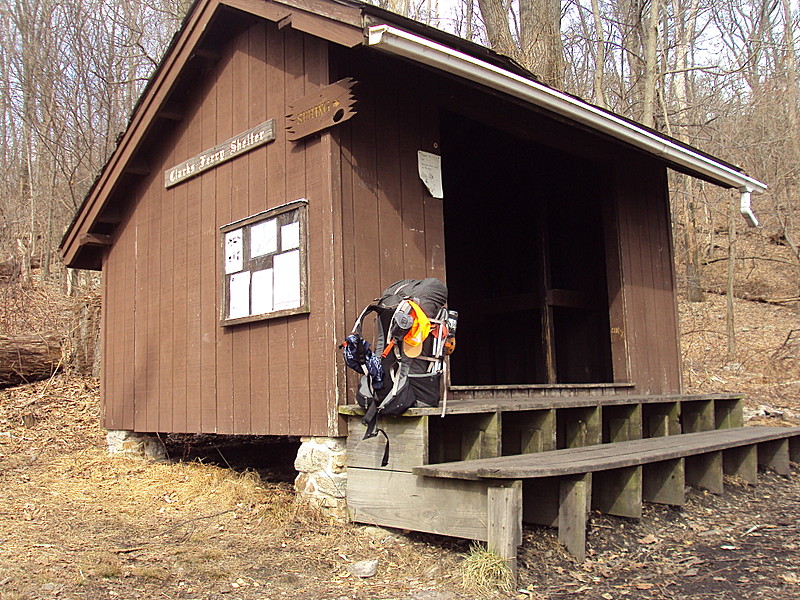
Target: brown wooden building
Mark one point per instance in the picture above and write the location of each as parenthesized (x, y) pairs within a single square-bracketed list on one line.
[(238, 244)]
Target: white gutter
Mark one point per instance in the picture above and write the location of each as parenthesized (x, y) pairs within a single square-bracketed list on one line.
[(425, 51)]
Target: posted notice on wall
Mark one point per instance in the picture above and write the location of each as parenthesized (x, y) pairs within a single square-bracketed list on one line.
[(430, 171), (286, 270), (264, 238), (262, 292), (239, 295), (234, 259)]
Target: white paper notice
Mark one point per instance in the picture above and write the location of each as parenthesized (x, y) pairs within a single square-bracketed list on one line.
[(233, 252), (261, 292), (239, 295), (290, 236), (264, 238), (286, 269), (430, 171)]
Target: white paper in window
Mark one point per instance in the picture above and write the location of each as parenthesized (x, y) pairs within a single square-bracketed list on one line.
[(264, 238), (286, 269), (239, 295), (290, 236), (261, 292), (233, 252), (430, 171)]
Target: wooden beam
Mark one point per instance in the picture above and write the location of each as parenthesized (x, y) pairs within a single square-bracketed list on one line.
[(96, 240), (265, 10), (109, 216), (697, 415), (664, 482), (327, 29), (171, 112), (574, 496), (207, 54), (775, 455), (741, 462), (504, 523), (705, 471), (408, 449), (396, 499), (137, 167), (618, 492), (728, 413), (571, 299)]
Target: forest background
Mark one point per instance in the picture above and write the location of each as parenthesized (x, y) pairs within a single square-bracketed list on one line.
[(721, 75)]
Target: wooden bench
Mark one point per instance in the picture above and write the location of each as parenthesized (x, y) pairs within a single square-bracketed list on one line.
[(613, 478)]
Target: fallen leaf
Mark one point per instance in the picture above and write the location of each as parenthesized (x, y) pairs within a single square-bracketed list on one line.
[(691, 572), (648, 539), (644, 586)]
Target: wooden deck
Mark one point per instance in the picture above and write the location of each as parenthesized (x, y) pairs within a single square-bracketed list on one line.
[(489, 465)]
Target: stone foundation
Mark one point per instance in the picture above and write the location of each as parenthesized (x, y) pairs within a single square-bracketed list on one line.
[(322, 474), (135, 445)]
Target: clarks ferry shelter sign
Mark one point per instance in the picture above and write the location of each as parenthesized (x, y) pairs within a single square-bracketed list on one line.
[(238, 144)]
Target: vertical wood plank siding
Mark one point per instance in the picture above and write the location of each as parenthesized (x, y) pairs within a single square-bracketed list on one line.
[(168, 364), (648, 279), (385, 207)]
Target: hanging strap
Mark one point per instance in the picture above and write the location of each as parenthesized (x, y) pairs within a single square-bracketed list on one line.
[(370, 419)]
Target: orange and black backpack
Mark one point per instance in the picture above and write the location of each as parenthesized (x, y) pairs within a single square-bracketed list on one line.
[(407, 366)]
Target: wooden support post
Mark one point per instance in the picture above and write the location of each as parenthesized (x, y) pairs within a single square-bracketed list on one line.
[(661, 420), (618, 492), (504, 527), (622, 423), (697, 415), (705, 471), (741, 462), (528, 432), (775, 455), (794, 449), (664, 482), (574, 496), (480, 436), (728, 413), (472, 444), (580, 427)]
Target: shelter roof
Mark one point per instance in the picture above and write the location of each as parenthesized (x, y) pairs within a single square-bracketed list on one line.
[(352, 23)]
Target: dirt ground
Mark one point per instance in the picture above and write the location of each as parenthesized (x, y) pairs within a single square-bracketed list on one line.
[(77, 523)]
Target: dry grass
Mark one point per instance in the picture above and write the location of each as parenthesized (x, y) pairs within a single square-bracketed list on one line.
[(81, 522), (484, 572)]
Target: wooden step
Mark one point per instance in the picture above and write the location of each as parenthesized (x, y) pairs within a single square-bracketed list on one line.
[(603, 457)]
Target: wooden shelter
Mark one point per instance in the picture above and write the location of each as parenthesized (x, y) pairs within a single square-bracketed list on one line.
[(291, 158)]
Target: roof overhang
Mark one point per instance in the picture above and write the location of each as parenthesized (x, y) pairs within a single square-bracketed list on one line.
[(433, 54), (352, 23)]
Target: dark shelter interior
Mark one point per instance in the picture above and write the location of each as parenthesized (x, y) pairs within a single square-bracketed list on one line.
[(526, 266)]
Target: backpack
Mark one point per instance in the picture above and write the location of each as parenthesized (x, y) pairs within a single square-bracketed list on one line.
[(407, 366)]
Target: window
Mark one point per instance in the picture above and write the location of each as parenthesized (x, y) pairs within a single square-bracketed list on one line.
[(264, 265)]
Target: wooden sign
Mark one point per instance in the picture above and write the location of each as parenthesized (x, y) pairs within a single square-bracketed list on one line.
[(319, 110), (238, 144)]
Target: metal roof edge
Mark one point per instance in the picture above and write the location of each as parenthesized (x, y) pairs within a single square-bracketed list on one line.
[(451, 60)]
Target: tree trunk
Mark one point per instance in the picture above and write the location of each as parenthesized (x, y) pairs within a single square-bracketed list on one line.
[(599, 57), (541, 48), (29, 358), (495, 19), (650, 66)]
